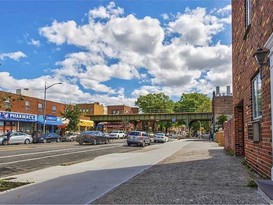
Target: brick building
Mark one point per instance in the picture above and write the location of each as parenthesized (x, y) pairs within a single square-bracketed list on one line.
[(19, 112), (89, 109), (121, 110), (252, 28), (221, 105)]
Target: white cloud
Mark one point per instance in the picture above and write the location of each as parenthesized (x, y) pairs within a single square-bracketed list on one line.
[(196, 27), (106, 12), (123, 47), (225, 10), (165, 16), (34, 43), (14, 56)]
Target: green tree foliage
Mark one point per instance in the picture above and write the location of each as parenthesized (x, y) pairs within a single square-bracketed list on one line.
[(72, 113), (153, 103), (220, 120), (194, 102)]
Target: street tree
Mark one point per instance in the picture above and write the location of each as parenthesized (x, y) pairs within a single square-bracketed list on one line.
[(157, 102), (194, 102), (72, 113), (220, 120)]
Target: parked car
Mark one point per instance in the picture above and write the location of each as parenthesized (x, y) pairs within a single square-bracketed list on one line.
[(16, 138), (70, 137), (139, 138), (117, 134), (93, 137), (161, 137), (49, 137)]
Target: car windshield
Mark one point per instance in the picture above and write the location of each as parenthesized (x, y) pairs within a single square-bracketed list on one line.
[(160, 134), (134, 133)]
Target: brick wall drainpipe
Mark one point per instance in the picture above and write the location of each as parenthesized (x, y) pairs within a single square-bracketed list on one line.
[(269, 45)]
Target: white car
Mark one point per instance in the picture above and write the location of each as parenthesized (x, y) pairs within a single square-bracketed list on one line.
[(117, 134), (161, 137), (16, 138)]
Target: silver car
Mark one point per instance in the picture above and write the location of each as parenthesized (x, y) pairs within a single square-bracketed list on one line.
[(161, 137), (16, 138), (139, 138)]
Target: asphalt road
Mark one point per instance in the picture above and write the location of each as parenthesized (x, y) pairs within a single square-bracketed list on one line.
[(85, 182), (17, 159)]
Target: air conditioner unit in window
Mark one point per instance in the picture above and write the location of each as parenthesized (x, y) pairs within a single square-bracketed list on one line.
[(256, 131)]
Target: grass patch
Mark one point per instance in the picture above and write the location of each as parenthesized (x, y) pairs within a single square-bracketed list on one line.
[(252, 183), (229, 152), (7, 185)]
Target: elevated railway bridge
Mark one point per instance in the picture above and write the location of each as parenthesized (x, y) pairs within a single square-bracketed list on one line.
[(186, 117)]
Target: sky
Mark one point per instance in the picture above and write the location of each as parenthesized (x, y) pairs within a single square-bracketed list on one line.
[(112, 52)]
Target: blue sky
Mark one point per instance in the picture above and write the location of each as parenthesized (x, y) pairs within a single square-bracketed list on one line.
[(114, 51)]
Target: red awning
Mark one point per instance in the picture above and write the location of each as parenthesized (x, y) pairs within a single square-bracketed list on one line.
[(62, 126)]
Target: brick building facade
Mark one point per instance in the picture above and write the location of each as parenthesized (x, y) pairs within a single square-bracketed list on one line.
[(20, 104), (252, 27), (121, 110), (221, 105)]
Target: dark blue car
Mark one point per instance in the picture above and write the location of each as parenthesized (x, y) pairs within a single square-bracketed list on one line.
[(49, 137)]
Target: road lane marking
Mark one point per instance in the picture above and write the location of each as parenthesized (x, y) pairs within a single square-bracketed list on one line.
[(50, 151), (56, 155)]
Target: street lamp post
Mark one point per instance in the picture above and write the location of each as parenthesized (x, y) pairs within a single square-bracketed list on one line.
[(46, 87)]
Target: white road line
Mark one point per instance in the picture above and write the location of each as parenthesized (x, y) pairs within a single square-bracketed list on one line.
[(59, 150), (24, 160)]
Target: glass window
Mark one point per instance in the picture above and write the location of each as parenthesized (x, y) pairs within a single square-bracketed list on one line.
[(40, 106), (257, 96), (54, 109), (248, 12), (27, 105), (7, 103)]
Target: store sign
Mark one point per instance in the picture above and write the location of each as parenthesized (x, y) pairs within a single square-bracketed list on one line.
[(14, 116), (51, 118)]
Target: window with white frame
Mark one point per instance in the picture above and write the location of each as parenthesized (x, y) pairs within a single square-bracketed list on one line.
[(40, 106), (257, 96), (54, 109), (27, 105), (248, 12)]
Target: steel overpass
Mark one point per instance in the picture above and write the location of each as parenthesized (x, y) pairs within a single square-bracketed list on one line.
[(187, 117)]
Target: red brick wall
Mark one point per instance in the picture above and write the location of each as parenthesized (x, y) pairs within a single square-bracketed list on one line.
[(244, 43), (18, 104), (222, 105), (228, 135), (123, 109)]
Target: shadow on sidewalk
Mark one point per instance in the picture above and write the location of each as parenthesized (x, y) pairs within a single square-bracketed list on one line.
[(187, 177)]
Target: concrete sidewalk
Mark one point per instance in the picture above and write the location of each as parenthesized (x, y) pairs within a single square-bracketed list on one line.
[(191, 171), (85, 182), (200, 173)]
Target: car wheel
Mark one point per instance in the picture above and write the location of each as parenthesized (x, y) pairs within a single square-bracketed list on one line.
[(4, 142), (149, 142), (27, 141), (71, 140), (143, 144), (95, 142), (129, 144), (80, 143), (44, 140)]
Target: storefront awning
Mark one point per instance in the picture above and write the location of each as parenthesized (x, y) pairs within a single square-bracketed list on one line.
[(62, 126), (55, 121), (86, 123)]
